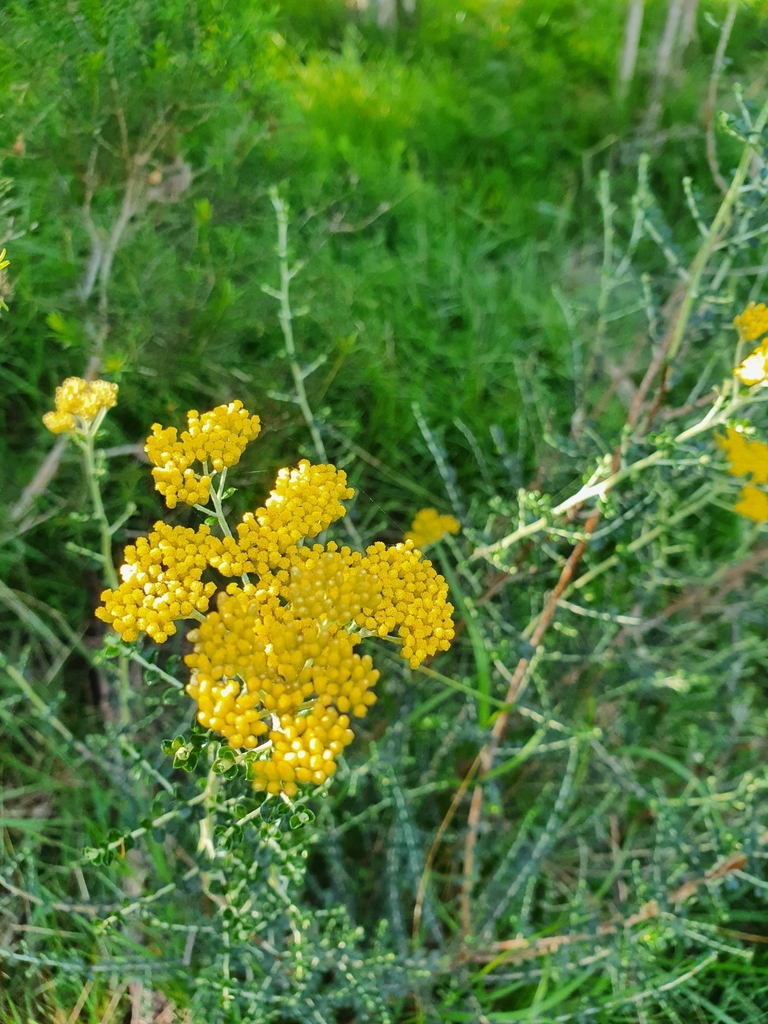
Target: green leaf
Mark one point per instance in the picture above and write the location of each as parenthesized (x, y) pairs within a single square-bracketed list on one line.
[(303, 817)]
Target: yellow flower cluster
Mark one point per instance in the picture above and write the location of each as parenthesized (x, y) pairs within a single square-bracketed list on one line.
[(751, 325), (752, 503), (216, 439), (162, 582), (293, 664), (330, 586), (754, 369), (274, 665), (753, 322), (78, 399), (414, 599), (305, 501), (748, 458), (429, 526)]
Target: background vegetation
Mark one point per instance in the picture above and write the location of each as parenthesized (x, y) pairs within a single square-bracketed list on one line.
[(463, 181)]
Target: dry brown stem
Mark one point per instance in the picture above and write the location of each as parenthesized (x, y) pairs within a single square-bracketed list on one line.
[(520, 949)]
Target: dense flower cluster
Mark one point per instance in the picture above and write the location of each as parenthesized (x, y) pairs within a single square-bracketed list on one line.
[(748, 458), (753, 322), (305, 501), (78, 399), (414, 600), (274, 667), (429, 526), (215, 439), (162, 582), (293, 665)]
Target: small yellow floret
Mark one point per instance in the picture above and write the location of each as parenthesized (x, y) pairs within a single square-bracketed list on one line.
[(429, 526), (217, 438), (753, 503), (753, 322), (79, 399), (59, 422)]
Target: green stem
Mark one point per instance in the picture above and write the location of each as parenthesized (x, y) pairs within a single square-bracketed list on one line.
[(98, 508), (714, 418), (721, 219), (106, 533), (216, 497), (286, 322), (217, 504)]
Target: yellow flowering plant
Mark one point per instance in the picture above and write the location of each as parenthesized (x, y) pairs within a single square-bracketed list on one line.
[(429, 526), (751, 325), (274, 666), (748, 457)]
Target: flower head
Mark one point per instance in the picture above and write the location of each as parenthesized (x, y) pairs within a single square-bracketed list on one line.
[(753, 503), (754, 369), (79, 400), (274, 665), (162, 582), (305, 501), (215, 439), (746, 457), (429, 526), (262, 669), (414, 600), (753, 322)]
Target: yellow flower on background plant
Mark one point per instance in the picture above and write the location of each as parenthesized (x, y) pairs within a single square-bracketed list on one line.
[(429, 526), (748, 458), (753, 322), (754, 369), (79, 400), (753, 503), (751, 325)]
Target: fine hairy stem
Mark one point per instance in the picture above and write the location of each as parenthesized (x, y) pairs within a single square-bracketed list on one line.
[(286, 316), (217, 496), (100, 515), (106, 533), (602, 487), (714, 80), (720, 222)]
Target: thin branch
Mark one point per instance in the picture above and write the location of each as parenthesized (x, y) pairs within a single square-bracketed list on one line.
[(521, 949), (517, 683), (663, 62), (631, 45), (714, 81)]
